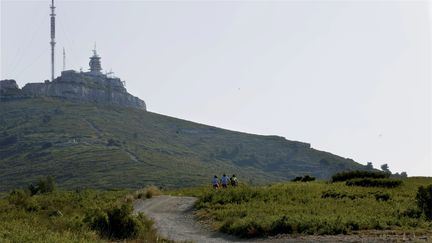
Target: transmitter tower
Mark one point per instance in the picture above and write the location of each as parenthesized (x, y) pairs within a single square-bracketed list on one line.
[(52, 42)]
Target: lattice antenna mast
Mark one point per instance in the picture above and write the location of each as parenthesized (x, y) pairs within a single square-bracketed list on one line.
[(52, 37), (64, 59)]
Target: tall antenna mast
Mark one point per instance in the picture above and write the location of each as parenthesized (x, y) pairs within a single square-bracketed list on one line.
[(64, 59), (52, 38)]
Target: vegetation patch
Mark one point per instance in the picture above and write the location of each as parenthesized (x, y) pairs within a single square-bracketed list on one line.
[(367, 182), (118, 223), (305, 178), (72, 216), (148, 192), (317, 208), (424, 200), (358, 174)]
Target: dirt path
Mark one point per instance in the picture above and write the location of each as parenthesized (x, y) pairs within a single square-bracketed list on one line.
[(175, 220)]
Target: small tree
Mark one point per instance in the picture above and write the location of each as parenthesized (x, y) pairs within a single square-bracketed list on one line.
[(404, 174), (369, 166), (385, 168), (44, 185), (424, 200)]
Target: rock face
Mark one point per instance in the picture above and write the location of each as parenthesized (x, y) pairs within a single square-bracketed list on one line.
[(85, 86), (9, 89)]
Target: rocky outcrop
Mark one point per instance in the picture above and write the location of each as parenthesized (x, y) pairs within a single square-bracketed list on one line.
[(9, 89), (85, 86)]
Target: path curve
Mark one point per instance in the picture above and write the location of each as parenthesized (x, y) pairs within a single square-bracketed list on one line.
[(175, 220)]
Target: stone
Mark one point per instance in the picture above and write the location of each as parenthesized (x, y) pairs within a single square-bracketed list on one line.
[(72, 85), (9, 89)]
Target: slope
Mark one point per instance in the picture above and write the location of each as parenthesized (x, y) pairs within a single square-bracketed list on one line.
[(84, 144)]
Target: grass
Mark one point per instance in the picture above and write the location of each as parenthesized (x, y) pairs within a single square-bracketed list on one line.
[(67, 216), (311, 208)]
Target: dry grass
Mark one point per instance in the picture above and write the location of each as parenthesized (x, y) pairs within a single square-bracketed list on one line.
[(148, 192)]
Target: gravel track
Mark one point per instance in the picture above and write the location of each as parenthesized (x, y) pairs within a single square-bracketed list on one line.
[(175, 220)]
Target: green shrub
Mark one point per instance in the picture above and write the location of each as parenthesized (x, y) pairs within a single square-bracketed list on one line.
[(247, 229), (281, 226), (118, 223), (332, 194), (382, 196), (19, 198), (412, 213), (367, 182), (72, 216), (44, 185), (424, 200), (348, 175), (305, 178)]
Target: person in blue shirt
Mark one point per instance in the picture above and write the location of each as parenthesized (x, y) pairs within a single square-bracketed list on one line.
[(225, 181), (215, 182)]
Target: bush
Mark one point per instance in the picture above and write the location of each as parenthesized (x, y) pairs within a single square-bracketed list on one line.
[(333, 194), (367, 182), (412, 213), (118, 223), (247, 229), (44, 185), (281, 225), (382, 196), (148, 192), (19, 198), (339, 195), (424, 200), (305, 178), (348, 175)]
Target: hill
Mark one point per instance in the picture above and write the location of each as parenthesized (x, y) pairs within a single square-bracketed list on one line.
[(85, 144)]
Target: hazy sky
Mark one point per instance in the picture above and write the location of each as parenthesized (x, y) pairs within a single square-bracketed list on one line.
[(350, 77)]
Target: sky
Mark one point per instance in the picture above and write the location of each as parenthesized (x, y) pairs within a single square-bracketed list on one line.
[(350, 77)]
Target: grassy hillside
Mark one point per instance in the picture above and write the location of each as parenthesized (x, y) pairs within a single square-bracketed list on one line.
[(89, 145), (313, 208)]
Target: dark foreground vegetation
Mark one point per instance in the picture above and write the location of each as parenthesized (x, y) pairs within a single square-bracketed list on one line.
[(318, 207), (73, 216)]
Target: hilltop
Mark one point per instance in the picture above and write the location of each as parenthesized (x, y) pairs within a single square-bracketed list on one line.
[(85, 144), (91, 86)]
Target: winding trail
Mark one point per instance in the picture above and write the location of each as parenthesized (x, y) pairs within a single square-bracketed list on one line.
[(175, 220)]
